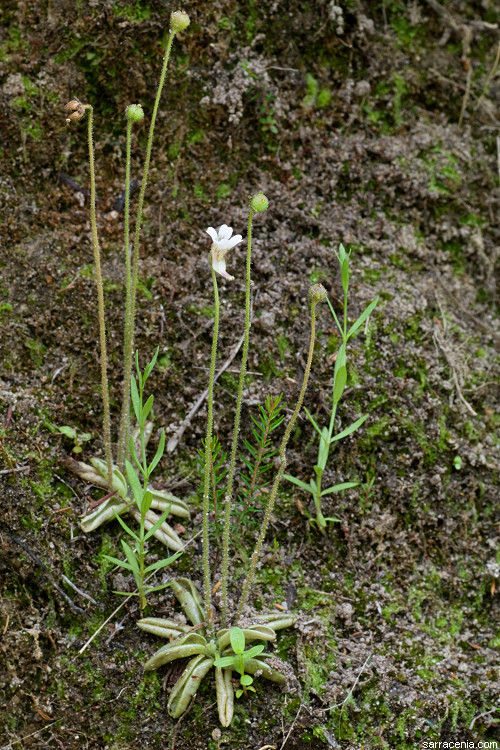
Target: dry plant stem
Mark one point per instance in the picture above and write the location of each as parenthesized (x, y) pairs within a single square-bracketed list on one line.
[(100, 305), (129, 342), (125, 414), (208, 461), (281, 471), (237, 420)]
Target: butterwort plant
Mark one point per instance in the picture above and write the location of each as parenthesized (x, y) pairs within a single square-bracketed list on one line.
[(112, 473), (216, 641)]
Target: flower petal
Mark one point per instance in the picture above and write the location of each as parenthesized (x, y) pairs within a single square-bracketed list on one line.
[(213, 234), (225, 232), (234, 240)]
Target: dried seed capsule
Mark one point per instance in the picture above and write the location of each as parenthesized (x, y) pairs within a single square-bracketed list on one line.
[(77, 110)]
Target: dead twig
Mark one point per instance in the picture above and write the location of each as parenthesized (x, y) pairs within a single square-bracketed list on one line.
[(14, 469), (78, 591), (465, 31), (292, 726), (351, 691), (449, 352), (480, 716), (489, 77), (49, 575), (174, 440)]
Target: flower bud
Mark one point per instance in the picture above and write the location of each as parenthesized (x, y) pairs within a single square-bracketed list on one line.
[(179, 20), (259, 202), (317, 293), (134, 112)]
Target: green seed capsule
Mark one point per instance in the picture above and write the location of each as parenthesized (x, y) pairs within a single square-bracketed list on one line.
[(259, 202), (179, 20), (134, 112)]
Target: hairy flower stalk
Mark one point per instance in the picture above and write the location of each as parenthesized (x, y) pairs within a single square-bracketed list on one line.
[(134, 113), (179, 20), (317, 294), (100, 304), (258, 203), (208, 461)]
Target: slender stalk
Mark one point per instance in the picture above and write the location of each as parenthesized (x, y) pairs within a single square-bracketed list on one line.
[(208, 461), (343, 330), (125, 414), (281, 471), (100, 304), (237, 420), (129, 336)]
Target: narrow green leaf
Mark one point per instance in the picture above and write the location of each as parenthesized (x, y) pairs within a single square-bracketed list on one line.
[(158, 523), (115, 561), (163, 563), (159, 588), (340, 381), (311, 419), (159, 453), (146, 409), (339, 487), (130, 557), (147, 499), (364, 315), (133, 480), (149, 367), (344, 272), (340, 360), (296, 481), (324, 449), (348, 430), (126, 527), (136, 401), (335, 317), (138, 369)]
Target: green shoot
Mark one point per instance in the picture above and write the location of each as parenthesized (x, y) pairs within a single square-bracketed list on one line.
[(260, 455), (135, 556), (237, 660), (327, 436)]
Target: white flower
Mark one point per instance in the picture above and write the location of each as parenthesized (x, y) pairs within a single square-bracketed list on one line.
[(222, 242)]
